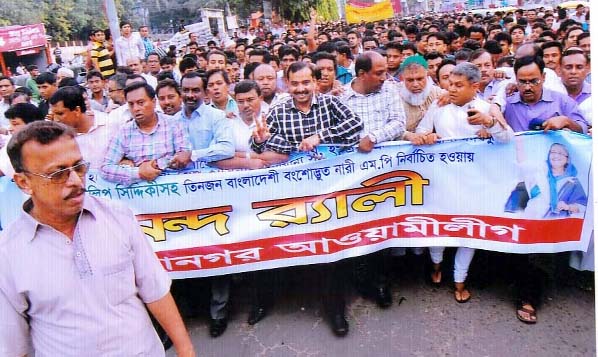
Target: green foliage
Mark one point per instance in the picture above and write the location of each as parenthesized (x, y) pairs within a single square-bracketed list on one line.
[(73, 19), (327, 10)]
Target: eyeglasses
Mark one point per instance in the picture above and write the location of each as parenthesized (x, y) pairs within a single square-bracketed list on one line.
[(62, 175), (114, 90), (533, 82)]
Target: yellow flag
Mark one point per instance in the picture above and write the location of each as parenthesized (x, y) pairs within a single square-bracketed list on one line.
[(380, 11)]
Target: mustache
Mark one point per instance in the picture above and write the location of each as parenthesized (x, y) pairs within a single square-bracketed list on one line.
[(75, 193)]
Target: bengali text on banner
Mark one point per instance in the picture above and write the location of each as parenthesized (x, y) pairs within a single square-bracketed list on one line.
[(532, 195)]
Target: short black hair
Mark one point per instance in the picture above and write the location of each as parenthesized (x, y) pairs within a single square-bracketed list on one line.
[(250, 67), (163, 75), (187, 63), (213, 72), (395, 45), (5, 78), (298, 66), (286, 50), (324, 55), (26, 111), (168, 82), (167, 60), (46, 77), (71, 98), (527, 60), (94, 73), (42, 131), (444, 62), (476, 28), (149, 90), (432, 55), (246, 86), (551, 44), (503, 36), (493, 47)]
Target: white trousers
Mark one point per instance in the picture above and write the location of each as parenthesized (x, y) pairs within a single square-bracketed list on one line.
[(463, 258)]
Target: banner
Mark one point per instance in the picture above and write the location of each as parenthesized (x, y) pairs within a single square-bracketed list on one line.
[(376, 12), (531, 195), (17, 37)]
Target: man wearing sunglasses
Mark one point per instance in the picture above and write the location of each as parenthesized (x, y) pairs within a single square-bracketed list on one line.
[(77, 272)]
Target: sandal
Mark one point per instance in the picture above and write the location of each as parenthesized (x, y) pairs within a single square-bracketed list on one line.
[(460, 291), (436, 275), (531, 313)]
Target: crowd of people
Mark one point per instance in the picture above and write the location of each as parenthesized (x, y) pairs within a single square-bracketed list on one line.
[(247, 102)]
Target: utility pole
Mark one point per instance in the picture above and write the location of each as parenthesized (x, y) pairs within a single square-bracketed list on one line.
[(112, 16)]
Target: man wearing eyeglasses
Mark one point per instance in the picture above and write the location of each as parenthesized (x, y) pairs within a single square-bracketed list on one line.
[(534, 107), (77, 272), (534, 102)]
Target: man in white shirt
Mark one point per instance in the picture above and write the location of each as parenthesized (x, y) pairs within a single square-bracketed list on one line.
[(466, 115), (134, 63), (93, 131), (7, 87), (128, 45), (18, 115)]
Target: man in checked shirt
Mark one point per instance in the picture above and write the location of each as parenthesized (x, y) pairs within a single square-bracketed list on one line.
[(303, 122), (376, 102), (146, 145)]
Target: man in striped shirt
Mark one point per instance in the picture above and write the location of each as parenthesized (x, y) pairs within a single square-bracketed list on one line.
[(100, 56)]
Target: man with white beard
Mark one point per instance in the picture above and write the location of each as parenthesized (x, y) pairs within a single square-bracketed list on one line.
[(417, 92)]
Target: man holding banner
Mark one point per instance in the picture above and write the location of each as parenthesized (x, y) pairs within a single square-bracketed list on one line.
[(373, 99), (533, 107), (301, 123), (465, 115)]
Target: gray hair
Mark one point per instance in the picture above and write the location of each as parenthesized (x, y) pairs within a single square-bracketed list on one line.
[(469, 70), (120, 79)]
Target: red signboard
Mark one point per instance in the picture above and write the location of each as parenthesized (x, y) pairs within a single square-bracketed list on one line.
[(14, 38)]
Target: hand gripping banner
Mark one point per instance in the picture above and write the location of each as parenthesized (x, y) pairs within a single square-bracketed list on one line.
[(532, 195)]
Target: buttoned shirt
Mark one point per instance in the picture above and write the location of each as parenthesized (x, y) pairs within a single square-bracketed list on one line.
[(210, 133), (450, 121), (230, 107), (165, 140), (3, 108), (93, 144), (148, 45), (79, 297), (586, 93), (328, 117), (131, 47), (381, 112), (492, 88), (519, 114)]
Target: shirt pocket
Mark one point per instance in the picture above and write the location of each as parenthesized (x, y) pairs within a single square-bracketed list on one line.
[(119, 282)]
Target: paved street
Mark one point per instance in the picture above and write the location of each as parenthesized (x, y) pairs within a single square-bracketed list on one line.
[(427, 322)]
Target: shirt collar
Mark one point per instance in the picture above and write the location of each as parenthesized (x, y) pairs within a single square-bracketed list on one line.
[(160, 119), (228, 103), (31, 225), (314, 101)]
